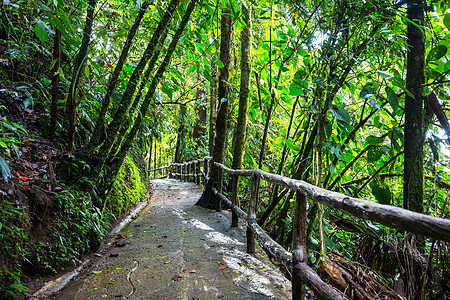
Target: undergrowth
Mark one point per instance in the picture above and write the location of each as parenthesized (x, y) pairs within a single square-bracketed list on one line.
[(77, 223)]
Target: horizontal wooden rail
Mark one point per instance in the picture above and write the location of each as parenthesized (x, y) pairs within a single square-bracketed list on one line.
[(185, 171), (390, 216)]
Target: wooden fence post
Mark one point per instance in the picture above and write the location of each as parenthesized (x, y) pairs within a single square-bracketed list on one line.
[(234, 200), (206, 171), (298, 244), (251, 217), (197, 171)]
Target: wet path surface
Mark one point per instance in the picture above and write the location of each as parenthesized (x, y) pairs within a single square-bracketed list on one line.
[(176, 250)]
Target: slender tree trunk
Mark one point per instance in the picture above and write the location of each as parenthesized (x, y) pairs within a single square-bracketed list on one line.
[(179, 150), (99, 129), (124, 105), (415, 77), (55, 82), (71, 105), (207, 199), (241, 126), (137, 99), (212, 107), (115, 167)]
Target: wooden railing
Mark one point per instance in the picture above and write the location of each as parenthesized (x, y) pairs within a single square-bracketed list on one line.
[(193, 171), (391, 216)]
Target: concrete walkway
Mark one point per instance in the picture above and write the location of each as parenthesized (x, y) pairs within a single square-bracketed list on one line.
[(176, 250)]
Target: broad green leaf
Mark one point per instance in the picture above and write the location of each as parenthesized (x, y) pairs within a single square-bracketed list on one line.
[(383, 195), (292, 146), (40, 33), (86, 71), (374, 154), (218, 63), (447, 66), (384, 75), (280, 141), (6, 171), (340, 113), (392, 98), (295, 90), (374, 140), (437, 53), (447, 21)]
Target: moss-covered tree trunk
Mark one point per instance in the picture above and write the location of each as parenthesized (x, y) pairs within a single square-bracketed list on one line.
[(241, 126), (117, 163), (207, 199), (181, 136), (124, 106), (212, 107), (99, 129), (55, 82), (413, 170), (71, 105)]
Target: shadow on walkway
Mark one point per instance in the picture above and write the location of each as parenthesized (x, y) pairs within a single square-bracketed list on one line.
[(176, 250)]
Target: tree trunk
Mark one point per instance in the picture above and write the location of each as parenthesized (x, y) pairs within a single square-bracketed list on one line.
[(115, 167), (99, 129), (124, 105), (179, 150), (208, 199), (413, 170), (241, 126), (71, 105), (212, 107), (55, 82)]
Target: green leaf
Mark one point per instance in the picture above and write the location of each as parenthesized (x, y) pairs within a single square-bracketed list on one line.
[(6, 171), (383, 195), (447, 21), (384, 75), (374, 154), (40, 33), (392, 98), (437, 53), (447, 66), (86, 71), (374, 140), (340, 113), (219, 63), (292, 146), (295, 90)]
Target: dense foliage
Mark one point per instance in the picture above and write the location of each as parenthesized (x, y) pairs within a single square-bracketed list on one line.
[(326, 104)]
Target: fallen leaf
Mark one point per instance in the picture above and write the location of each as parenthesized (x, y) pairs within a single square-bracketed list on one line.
[(172, 298), (159, 246), (145, 212), (23, 178), (177, 278), (111, 282), (192, 271), (120, 236), (223, 267), (97, 272), (104, 296), (264, 270), (167, 262)]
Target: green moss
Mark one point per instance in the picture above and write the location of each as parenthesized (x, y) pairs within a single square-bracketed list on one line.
[(129, 188)]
